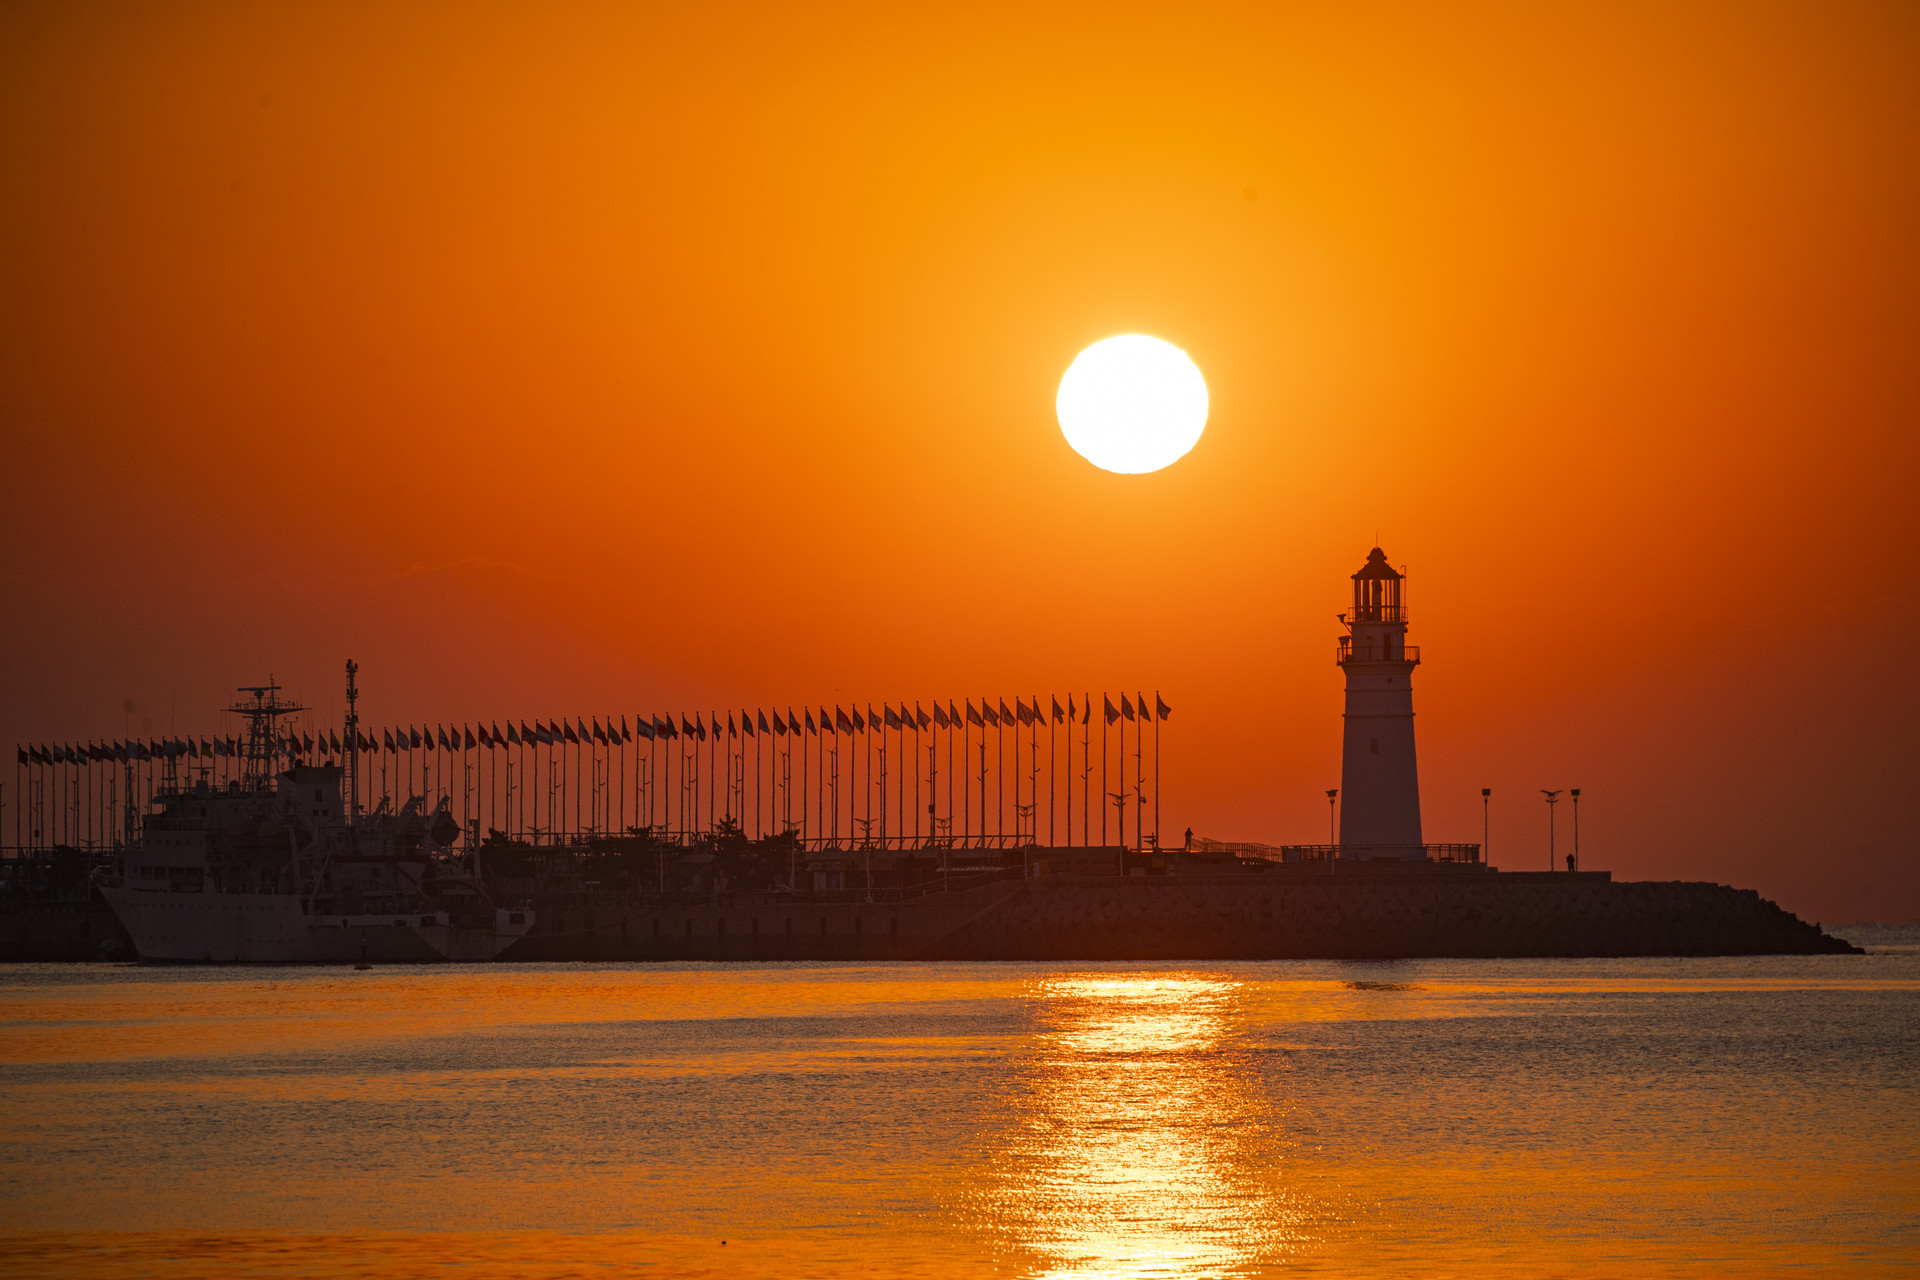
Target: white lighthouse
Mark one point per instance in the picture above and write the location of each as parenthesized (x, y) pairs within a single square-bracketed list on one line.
[(1379, 781)]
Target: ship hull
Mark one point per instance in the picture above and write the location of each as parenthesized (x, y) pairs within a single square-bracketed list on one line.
[(271, 928)]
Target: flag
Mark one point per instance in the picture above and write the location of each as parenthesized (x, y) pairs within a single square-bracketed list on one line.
[(920, 717), (700, 728), (840, 722), (1058, 714), (413, 737), (1021, 712), (1140, 701), (625, 736), (973, 717), (731, 731), (779, 723), (1126, 708), (586, 735), (891, 720), (870, 722), (763, 722), (470, 741), (793, 726), (567, 734), (648, 728), (444, 744), (811, 727), (1072, 711), (20, 754), (390, 746), (1160, 708), (940, 716), (599, 733), (1006, 716), (1110, 713)]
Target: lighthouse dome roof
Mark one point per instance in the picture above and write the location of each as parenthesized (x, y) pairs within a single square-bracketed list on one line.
[(1376, 567)]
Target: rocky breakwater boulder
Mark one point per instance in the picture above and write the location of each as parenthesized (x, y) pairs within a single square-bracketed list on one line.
[(1276, 916)]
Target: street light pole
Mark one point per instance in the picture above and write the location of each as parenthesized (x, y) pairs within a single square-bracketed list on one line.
[(1553, 798), (1486, 826), (1333, 825), (1575, 793)]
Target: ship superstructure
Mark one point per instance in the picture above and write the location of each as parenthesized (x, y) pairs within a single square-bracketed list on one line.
[(273, 867)]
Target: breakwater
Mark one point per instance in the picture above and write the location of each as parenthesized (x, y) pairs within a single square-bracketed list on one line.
[(1388, 914)]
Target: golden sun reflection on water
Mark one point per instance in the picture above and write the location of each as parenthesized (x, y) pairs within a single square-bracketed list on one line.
[(1136, 1146)]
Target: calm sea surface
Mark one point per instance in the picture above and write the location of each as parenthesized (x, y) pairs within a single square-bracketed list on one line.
[(1467, 1118)]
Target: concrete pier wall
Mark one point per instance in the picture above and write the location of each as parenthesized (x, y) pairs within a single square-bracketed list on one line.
[(1201, 918)]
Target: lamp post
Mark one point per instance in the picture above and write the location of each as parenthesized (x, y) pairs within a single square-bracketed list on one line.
[(1486, 826), (1575, 793), (1553, 798), (1333, 824)]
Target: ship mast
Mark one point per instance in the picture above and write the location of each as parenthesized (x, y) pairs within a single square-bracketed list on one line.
[(353, 746), (260, 757)]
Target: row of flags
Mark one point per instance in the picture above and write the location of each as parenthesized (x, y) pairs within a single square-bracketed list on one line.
[(92, 753), (650, 728)]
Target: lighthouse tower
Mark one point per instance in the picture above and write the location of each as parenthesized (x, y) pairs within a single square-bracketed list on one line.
[(1379, 782)]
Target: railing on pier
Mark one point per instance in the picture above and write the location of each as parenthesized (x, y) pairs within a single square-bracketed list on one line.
[(1380, 852)]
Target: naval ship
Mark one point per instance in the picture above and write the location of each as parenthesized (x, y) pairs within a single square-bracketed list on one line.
[(273, 867)]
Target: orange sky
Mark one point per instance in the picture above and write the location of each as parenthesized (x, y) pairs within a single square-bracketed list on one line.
[(582, 357)]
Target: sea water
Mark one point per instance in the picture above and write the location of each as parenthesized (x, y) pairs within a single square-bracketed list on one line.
[(1472, 1118)]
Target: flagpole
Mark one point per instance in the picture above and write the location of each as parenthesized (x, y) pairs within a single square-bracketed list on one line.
[(1156, 768), (1086, 770), (1103, 767), (1139, 782), (966, 784)]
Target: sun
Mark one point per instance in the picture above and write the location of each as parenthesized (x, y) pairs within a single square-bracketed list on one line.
[(1132, 404)]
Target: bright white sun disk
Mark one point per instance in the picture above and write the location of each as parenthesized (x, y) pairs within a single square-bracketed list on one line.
[(1132, 404)]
